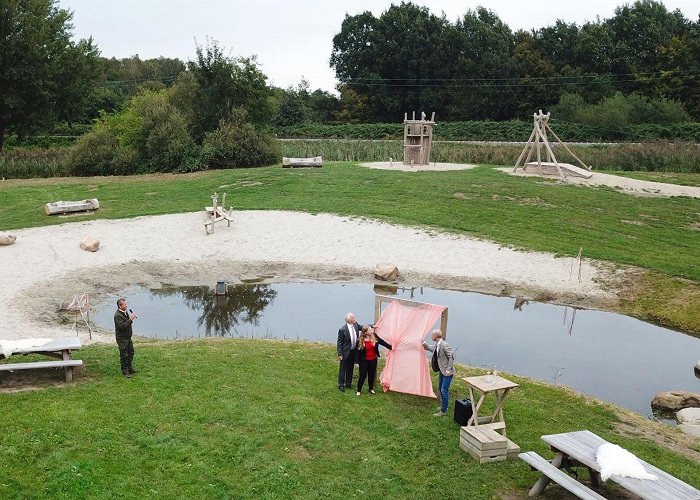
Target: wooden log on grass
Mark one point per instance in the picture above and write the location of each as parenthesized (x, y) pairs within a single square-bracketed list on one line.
[(316, 161), (62, 207)]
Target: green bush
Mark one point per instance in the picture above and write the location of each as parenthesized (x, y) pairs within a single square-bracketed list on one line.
[(99, 153), (154, 128), (237, 143)]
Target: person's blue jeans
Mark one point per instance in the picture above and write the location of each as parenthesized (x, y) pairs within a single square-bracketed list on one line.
[(444, 386)]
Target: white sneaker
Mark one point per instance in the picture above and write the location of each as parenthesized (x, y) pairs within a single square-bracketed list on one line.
[(440, 414)]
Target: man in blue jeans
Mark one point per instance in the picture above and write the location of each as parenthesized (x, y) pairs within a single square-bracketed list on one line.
[(442, 362)]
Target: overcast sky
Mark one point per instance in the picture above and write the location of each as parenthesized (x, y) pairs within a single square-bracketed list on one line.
[(293, 38)]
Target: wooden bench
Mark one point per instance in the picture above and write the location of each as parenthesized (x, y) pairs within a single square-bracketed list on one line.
[(559, 477), (581, 446), (67, 364), (60, 348)]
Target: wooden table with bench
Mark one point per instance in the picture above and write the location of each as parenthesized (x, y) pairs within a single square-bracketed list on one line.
[(60, 348), (580, 448)]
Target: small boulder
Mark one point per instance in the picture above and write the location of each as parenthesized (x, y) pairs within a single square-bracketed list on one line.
[(676, 400), (7, 239), (386, 271), (90, 244), (690, 416)]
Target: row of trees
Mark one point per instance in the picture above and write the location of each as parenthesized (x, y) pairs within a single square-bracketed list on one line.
[(645, 57), (477, 68)]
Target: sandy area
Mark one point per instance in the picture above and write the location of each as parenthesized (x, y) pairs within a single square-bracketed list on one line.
[(432, 167), (46, 267), (624, 184)]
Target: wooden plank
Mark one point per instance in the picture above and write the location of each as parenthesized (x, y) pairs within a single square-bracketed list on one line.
[(484, 438), (512, 449), (483, 456), (569, 168), (40, 364), (561, 478)]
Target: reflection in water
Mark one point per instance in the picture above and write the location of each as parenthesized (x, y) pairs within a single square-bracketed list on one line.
[(519, 303), (570, 326), (221, 313)]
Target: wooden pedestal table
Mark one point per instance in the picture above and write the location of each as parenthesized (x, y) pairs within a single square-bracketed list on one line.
[(499, 387)]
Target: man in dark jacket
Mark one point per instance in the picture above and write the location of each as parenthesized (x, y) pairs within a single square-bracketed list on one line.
[(347, 348), (123, 319)]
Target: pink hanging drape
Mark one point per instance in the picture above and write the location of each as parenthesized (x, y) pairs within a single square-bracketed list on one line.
[(404, 327)]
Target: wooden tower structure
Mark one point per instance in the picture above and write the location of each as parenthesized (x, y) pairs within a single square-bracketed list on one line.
[(417, 139)]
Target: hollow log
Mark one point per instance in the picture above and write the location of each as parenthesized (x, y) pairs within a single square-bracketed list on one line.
[(316, 161), (62, 207)]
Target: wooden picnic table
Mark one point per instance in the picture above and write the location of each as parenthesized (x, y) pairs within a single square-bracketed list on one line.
[(485, 385), (580, 447), (60, 348)]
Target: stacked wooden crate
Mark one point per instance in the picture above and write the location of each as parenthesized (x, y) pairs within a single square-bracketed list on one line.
[(483, 443)]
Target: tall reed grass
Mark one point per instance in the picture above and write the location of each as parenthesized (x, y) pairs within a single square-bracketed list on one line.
[(652, 157), (21, 163)]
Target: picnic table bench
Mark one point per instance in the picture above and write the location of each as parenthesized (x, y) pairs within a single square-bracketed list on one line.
[(60, 348), (580, 447)]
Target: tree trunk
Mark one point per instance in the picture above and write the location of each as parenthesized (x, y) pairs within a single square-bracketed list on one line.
[(2, 135)]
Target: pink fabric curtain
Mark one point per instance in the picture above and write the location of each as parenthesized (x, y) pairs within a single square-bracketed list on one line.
[(404, 327)]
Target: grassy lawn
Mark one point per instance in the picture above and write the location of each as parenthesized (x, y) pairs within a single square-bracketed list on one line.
[(257, 418)]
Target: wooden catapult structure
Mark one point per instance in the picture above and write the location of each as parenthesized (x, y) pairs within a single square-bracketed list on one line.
[(417, 139), (217, 213), (537, 139)]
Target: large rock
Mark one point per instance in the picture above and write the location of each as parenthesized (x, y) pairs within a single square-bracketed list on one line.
[(690, 416), (90, 244), (697, 369), (676, 400), (386, 271), (7, 239)]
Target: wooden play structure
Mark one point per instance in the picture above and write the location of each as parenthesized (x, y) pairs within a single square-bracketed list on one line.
[(417, 139), (537, 139), (217, 213)]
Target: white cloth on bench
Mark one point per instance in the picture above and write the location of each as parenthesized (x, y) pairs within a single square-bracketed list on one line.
[(616, 461), (9, 347)]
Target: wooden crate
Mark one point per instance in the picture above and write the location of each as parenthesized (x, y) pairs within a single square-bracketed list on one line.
[(513, 449), (484, 444)]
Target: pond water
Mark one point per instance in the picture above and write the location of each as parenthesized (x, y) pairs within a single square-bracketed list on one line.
[(609, 356)]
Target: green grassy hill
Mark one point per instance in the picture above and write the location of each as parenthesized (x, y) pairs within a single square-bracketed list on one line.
[(248, 418)]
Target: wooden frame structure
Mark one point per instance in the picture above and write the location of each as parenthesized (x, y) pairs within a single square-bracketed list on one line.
[(417, 139), (538, 137), (380, 299)]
